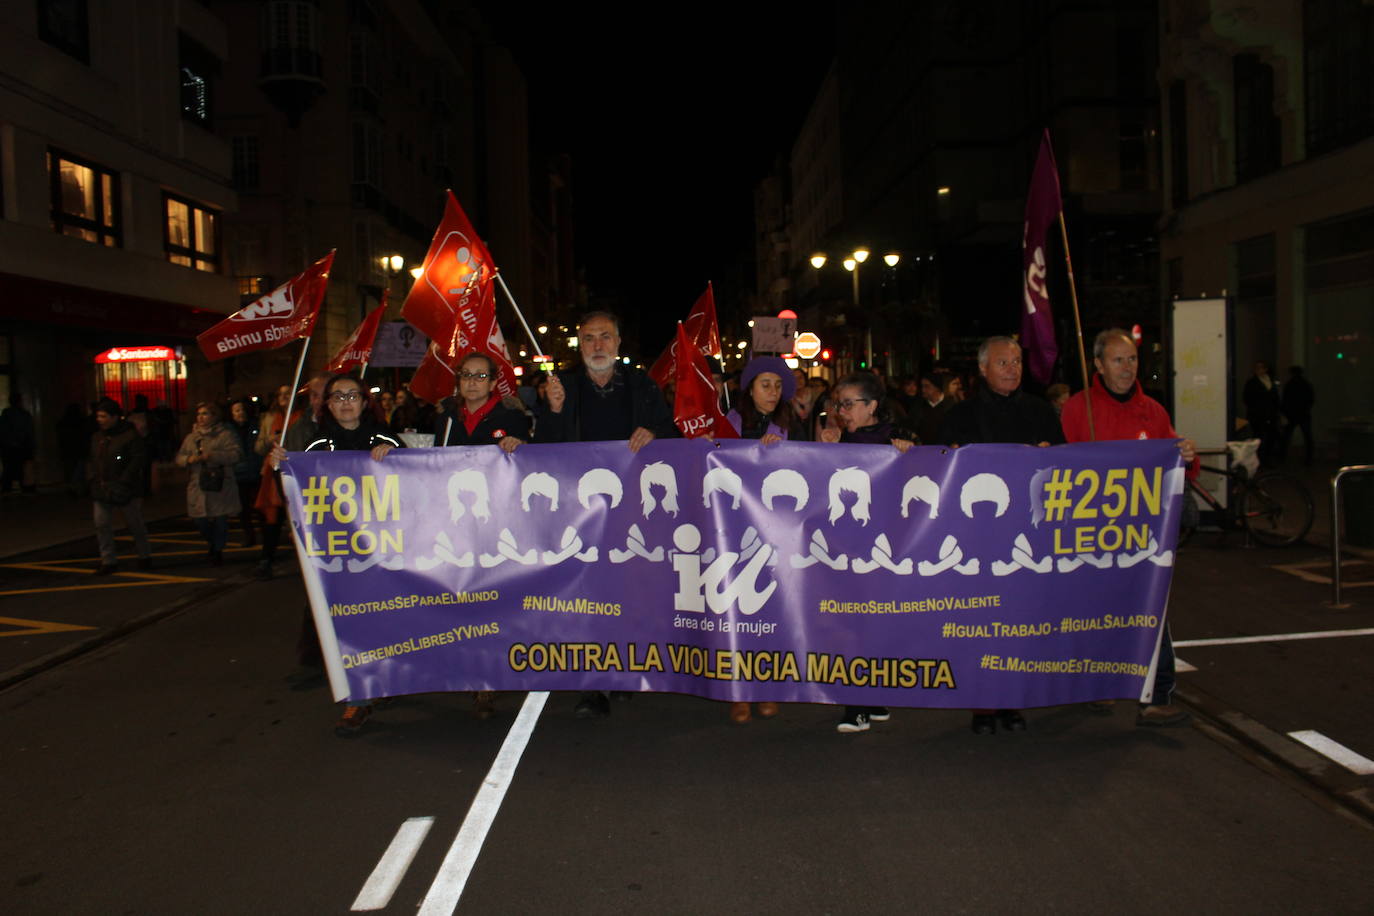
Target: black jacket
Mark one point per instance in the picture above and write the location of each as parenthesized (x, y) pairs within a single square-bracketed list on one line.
[(118, 465), (989, 417), (503, 421), (647, 408), (334, 438)]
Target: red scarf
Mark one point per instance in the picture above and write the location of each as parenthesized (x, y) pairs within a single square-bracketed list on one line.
[(470, 420)]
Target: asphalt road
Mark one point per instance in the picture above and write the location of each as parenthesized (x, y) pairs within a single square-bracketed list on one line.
[(188, 768)]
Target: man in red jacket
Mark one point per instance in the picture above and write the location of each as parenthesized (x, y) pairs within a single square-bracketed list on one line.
[(1122, 411)]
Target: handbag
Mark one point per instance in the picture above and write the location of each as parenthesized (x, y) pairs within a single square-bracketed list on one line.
[(211, 479)]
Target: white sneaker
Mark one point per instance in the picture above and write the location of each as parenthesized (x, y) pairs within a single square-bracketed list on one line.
[(853, 721)]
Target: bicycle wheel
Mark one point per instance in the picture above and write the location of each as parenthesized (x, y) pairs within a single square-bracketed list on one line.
[(1276, 508)]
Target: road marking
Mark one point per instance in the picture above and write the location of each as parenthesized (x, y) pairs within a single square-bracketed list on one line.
[(1333, 750), (1182, 667), (386, 877), (1276, 637), (448, 885), (34, 627), (1301, 570)]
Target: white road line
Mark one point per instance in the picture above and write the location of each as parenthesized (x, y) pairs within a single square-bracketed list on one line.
[(1182, 667), (448, 885), (1335, 751), (386, 877), (1276, 637)]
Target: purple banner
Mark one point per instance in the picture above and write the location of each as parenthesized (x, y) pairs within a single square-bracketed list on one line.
[(990, 576)]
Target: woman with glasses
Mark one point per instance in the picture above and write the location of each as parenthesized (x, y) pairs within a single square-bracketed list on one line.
[(211, 450), (348, 425), (859, 415), (480, 416)]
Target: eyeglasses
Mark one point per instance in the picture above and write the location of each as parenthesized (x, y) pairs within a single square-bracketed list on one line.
[(474, 376), (340, 397), (848, 403)]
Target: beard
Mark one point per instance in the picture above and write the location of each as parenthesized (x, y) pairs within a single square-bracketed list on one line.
[(600, 362)]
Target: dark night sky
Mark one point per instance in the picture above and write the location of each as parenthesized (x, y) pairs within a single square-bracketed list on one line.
[(670, 123)]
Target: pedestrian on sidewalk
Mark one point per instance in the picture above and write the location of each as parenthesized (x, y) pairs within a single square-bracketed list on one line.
[(247, 474), (115, 477), (211, 450), (17, 443), (1121, 410)]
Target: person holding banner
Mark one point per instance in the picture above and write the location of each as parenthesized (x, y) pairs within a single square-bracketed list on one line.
[(765, 410), (1121, 410), (347, 426), (482, 417), (1001, 412), (861, 415), (606, 401)]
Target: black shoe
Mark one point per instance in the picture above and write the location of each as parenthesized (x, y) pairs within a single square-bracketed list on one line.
[(351, 722), (855, 720), (983, 724), (593, 705), (107, 569), (878, 714), (1011, 720)]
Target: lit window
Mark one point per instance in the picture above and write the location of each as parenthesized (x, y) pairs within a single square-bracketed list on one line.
[(192, 234), (85, 199)]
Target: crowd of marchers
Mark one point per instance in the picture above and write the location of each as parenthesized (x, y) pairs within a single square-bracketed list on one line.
[(233, 457)]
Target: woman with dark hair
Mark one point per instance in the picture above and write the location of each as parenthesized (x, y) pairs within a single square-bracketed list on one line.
[(860, 416), (211, 450), (480, 416), (764, 410), (347, 425)]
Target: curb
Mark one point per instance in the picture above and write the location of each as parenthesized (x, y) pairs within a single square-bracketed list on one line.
[(1351, 792), (187, 601)]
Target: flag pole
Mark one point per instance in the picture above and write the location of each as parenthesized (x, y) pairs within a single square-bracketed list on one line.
[(724, 388), (539, 351), (291, 401), (448, 428), (1078, 327)]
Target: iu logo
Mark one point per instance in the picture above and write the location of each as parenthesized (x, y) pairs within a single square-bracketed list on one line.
[(699, 588)]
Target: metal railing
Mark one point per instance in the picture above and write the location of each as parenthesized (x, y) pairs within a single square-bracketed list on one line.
[(1336, 526)]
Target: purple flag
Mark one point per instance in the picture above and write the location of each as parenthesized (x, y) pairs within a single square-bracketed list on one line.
[(1037, 322)]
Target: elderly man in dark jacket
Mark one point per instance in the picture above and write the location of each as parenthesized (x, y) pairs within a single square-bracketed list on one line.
[(115, 475), (605, 401)]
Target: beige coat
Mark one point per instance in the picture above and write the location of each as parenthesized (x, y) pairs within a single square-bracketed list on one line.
[(220, 447)]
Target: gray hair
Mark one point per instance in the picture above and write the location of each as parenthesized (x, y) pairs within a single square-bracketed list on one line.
[(600, 313), (1102, 338), (987, 345)]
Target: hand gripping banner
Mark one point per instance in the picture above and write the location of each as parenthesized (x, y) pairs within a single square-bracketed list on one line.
[(990, 576)]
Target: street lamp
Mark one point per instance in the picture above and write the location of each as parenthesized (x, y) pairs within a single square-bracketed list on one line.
[(857, 257), (392, 263)]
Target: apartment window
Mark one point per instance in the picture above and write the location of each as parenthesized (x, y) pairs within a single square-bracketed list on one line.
[(1257, 127), (192, 234), (1338, 42), (367, 154), (245, 160), (253, 287), (85, 199), (196, 70), (65, 25)]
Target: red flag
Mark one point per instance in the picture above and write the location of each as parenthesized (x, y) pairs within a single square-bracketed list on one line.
[(485, 338), (358, 348), (274, 320), (433, 379), (454, 282), (696, 407), (701, 330), (1043, 204)]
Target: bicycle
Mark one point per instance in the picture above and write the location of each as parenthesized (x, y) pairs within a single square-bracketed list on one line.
[(1273, 507)]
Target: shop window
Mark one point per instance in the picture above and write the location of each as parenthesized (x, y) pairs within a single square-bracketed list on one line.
[(65, 25), (192, 234), (85, 199)]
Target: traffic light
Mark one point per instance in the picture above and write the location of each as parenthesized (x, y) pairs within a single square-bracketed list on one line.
[(825, 356)]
